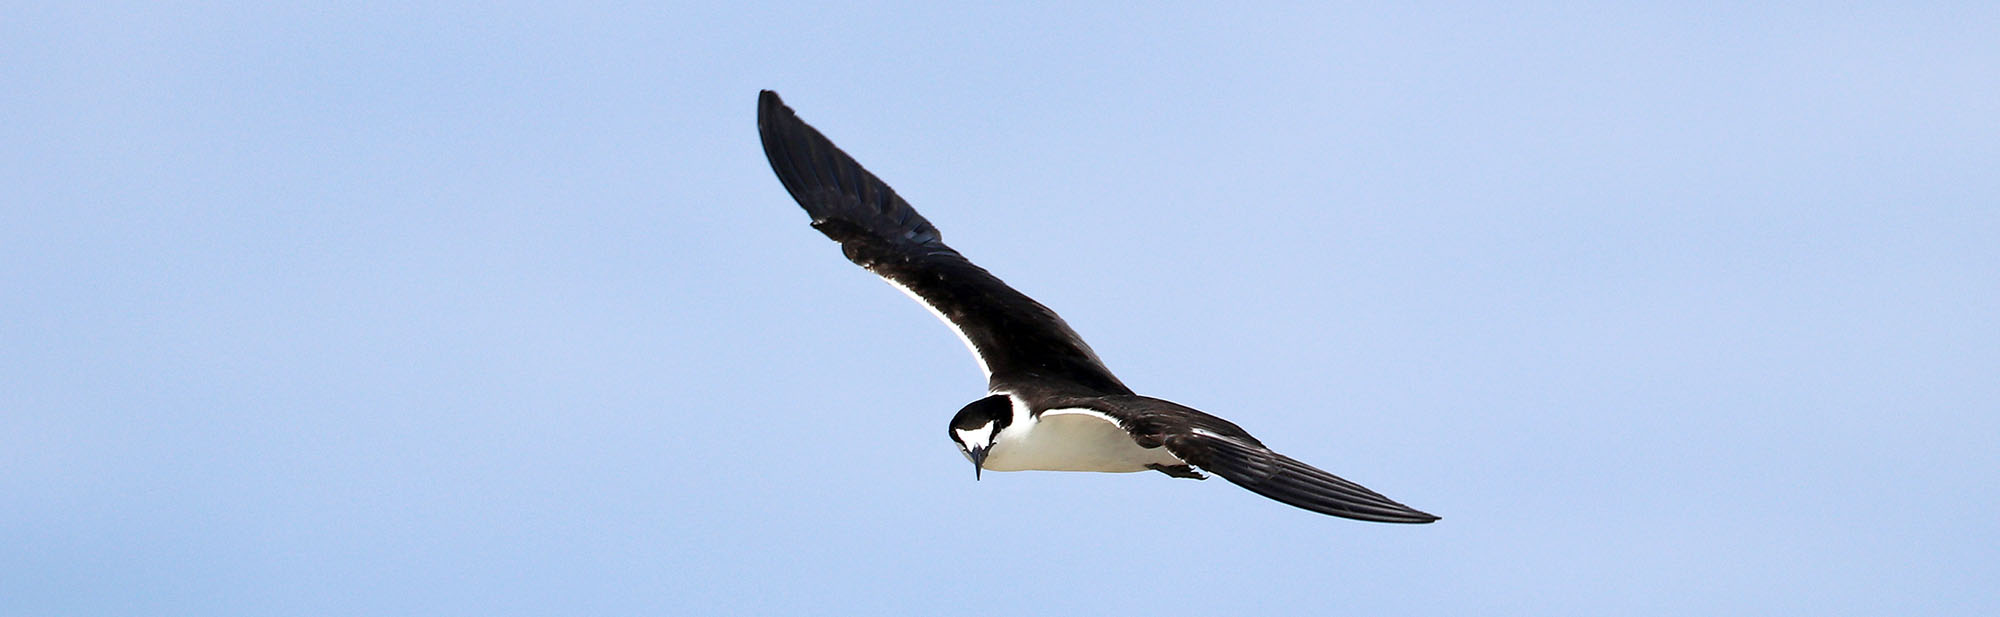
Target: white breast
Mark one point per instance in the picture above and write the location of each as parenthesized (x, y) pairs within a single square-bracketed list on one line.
[(1071, 440)]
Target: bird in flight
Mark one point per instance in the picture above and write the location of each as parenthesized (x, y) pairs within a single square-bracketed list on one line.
[(1051, 404)]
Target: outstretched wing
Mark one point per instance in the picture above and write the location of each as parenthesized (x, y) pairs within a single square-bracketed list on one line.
[(1285, 479), (1217, 446), (1009, 334)]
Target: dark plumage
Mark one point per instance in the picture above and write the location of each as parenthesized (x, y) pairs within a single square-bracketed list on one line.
[(1037, 367)]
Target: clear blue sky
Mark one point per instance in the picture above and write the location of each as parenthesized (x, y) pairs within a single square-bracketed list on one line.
[(497, 309)]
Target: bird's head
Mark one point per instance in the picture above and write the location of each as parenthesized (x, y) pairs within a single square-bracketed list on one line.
[(978, 425)]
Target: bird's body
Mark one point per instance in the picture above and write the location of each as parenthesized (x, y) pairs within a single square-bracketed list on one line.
[(1051, 404), (1074, 440)]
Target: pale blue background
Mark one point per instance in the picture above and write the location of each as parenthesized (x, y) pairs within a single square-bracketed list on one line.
[(497, 309)]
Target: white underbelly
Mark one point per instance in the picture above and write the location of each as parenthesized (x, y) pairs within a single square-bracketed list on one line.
[(1077, 441)]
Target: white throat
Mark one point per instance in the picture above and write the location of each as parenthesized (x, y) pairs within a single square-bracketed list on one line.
[(975, 438)]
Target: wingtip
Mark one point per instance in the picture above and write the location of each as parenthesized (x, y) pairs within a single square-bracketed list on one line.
[(1413, 516), (1289, 481), (1424, 518), (1403, 515), (768, 107)]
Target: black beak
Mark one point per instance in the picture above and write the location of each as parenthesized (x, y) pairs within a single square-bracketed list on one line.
[(978, 456)]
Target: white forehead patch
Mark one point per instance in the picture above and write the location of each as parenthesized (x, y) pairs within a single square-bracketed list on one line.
[(976, 438)]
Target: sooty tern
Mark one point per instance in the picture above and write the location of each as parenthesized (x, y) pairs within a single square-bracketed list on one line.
[(1052, 404)]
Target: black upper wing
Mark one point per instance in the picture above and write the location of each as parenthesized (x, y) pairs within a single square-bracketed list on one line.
[(1011, 335), (1220, 447), (1280, 477)]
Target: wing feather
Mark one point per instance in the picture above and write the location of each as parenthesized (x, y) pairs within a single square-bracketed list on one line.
[(1012, 336), (1257, 468), (1219, 447)]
